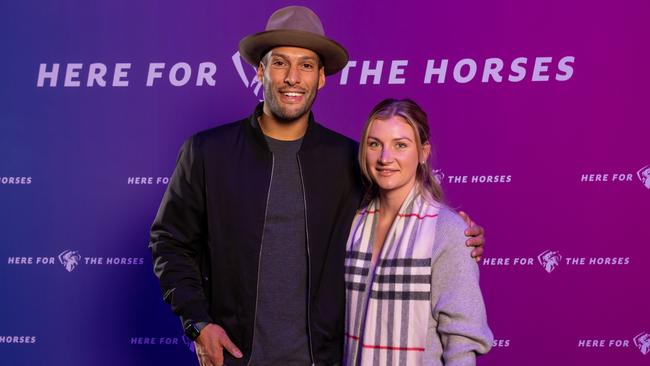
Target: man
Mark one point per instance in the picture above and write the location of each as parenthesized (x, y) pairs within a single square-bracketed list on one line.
[(249, 240)]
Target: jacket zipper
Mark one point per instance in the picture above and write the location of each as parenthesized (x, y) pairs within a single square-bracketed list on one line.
[(304, 200), (259, 257)]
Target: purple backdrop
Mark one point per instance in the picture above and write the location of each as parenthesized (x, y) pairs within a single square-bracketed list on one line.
[(539, 117)]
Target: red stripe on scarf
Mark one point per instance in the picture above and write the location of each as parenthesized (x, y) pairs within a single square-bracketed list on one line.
[(416, 215), (418, 349)]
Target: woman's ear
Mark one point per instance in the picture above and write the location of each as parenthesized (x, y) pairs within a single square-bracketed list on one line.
[(426, 150)]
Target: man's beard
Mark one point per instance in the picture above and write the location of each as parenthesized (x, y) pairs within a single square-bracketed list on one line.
[(283, 114)]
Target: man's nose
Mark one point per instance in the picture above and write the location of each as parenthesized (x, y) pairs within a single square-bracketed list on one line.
[(293, 75)]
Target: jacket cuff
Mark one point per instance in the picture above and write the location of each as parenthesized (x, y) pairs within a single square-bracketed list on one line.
[(195, 313)]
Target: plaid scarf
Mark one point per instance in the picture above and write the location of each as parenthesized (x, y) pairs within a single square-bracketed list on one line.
[(388, 306)]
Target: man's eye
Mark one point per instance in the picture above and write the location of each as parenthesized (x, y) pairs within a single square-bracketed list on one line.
[(308, 66), (278, 63)]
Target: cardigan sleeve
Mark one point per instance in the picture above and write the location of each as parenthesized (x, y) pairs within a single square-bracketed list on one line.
[(457, 303)]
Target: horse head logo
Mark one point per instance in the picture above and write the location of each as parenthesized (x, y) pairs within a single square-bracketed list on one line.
[(438, 174), (70, 259), (549, 259), (254, 84), (189, 343), (642, 342), (644, 176)]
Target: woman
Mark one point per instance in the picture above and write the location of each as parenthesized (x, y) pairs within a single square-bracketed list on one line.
[(412, 289)]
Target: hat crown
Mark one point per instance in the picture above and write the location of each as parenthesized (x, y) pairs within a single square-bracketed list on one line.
[(294, 26), (295, 18)]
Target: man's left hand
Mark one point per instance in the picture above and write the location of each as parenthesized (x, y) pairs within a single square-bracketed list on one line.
[(475, 233)]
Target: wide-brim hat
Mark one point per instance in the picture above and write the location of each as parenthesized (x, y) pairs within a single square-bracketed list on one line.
[(295, 26)]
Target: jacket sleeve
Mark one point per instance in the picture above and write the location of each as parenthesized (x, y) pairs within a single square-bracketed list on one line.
[(457, 303), (178, 237)]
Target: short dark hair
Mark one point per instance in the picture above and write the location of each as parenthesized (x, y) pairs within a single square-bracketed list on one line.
[(265, 54)]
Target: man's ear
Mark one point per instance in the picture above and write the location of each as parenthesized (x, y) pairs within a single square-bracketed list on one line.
[(321, 77), (260, 73)]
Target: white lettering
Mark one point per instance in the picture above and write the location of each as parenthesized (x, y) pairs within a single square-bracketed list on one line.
[(72, 72), (140, 180), (121, 72), (432, 70), (44, 74), (154, 73), (457, 178), (45, 260), (575, 261), (492, 69), (501, 343), (518, 69), (622, 177), (618, 343), (541, 67), (17, 339), (96, 74), (345, 71), (20, 260), (566, 68), (496, 261), (396, 70), (173, 73), (206, 73), (523, 261), (471, 64), (375, 73)]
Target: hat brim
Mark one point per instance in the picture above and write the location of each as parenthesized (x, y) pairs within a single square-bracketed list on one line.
[(333, 56)]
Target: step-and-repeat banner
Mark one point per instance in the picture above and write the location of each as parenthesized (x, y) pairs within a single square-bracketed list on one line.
[(540, 121)]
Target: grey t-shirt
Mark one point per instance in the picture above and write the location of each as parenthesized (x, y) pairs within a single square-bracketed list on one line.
[(281, 319)]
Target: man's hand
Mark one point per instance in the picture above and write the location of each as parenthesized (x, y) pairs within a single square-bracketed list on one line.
[(210, 344), (476, 238)]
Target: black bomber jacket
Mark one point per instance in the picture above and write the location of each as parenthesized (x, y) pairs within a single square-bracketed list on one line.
[(206, 237)]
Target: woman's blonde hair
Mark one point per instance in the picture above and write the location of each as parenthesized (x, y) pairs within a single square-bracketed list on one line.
[(427, 183)]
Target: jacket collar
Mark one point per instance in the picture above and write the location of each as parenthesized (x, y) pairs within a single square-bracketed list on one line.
[(309, 140)]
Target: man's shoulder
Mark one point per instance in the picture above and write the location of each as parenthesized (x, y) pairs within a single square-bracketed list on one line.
[(221, 132), (331, 137)]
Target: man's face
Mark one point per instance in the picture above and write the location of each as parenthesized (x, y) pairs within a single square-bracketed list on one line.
[(291, 77)]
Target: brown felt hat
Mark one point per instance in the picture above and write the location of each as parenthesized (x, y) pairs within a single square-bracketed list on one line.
[(295, 26)]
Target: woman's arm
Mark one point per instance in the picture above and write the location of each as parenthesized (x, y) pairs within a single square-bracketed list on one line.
[(457, 303)]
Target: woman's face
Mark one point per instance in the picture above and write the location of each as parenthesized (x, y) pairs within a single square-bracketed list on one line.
[(392, 155)]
